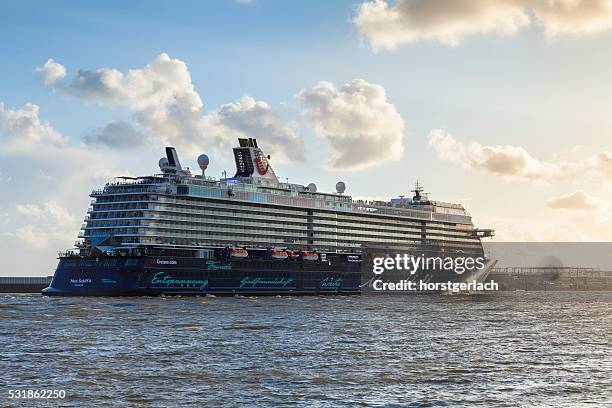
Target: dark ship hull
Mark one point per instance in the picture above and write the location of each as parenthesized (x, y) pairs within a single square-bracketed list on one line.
[(147, 275), (153, 276)]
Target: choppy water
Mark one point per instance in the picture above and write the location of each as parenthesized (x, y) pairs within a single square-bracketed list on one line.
[(505, 349)]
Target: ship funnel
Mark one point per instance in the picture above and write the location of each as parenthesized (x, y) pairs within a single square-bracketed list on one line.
[(173, 160), (253, 164)]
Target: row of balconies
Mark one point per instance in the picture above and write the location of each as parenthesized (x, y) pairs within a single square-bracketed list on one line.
[(317, 235), (342, 227)]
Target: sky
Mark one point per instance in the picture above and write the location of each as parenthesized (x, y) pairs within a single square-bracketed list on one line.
[(502, 106)]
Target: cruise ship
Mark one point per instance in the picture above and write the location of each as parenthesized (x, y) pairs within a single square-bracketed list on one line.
[(251, 234)]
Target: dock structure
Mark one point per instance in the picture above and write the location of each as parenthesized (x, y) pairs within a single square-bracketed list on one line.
[(24, 284), (552, 278)]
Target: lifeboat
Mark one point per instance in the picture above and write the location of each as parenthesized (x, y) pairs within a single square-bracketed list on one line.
[(238, 253), (278, 254), (309, 256)]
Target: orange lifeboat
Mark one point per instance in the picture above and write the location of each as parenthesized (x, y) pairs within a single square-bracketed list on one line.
[(238, 253), (309, 256), (278, 254)]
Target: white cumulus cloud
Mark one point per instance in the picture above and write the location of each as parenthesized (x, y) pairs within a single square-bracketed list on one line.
[(251, 118), (163, 100), (506, 160), (514, 162), (48, 224), (23, 126), (51, 72), (48, 211), (579, 200), (387, 25), (362, 127), (447, 21), (599, 165), (161, 96), (573, 16)]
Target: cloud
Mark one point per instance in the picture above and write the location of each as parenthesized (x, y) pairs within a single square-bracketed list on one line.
[(47, 211), (579, 200), (446, 21), (47, 221), (117, 134), (163, 100), (49, 224), (51, 72), (599, 165), (514, 162), (161, 97), (45, 207), (251, 118), (573, 16), (449, 21), (23, 127), (361, 125), (506, 161)]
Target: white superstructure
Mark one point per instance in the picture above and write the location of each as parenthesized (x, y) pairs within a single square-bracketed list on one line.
[(254, 209)]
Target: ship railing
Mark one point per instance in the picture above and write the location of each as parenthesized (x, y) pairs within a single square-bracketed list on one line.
[(461, 219), (449, 205), (128, 200), (123, 190), (127, 252)]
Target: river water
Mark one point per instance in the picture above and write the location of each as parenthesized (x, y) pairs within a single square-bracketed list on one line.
[(497, 350)]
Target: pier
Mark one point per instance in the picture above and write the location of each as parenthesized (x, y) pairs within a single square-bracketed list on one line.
[(24, 284), (552, 278)]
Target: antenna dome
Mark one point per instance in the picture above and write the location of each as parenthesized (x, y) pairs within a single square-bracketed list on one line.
[(203, 161), (312, 187), (340, 187), (163, 163)]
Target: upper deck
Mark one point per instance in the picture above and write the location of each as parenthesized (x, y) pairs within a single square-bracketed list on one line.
[(284, 194), (176, 208)]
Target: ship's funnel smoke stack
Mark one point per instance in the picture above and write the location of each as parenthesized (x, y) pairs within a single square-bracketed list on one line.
[(173, 160), (253, 164)]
